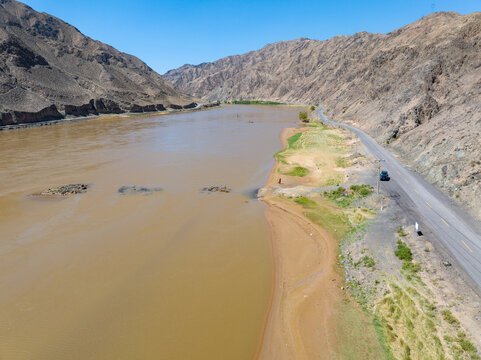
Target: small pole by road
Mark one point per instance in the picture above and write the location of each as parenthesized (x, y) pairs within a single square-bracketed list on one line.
[(378, 172)]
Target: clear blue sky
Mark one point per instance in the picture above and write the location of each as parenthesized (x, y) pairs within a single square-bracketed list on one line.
[(168, 34)]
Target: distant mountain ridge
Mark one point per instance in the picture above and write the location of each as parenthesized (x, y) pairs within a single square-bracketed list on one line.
[(417, 88), (48, 66)]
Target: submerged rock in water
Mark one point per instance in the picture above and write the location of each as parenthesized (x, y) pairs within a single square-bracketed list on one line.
[(65, 190), (134, 189), (222, 188)]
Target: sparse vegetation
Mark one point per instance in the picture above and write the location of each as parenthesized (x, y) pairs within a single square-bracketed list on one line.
[(279, 157), (312, 108), (345, 197), (462, 347), (401, 232), (449, 317), (342, 162), (333, 180), (366, 261)]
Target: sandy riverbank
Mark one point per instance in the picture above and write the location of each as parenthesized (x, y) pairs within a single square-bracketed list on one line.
[(312, 316), (301, 323)]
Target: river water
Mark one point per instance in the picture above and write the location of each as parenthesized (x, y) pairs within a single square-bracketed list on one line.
[(178, 274)]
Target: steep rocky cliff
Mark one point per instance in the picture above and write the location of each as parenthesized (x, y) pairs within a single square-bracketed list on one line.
[(417, 88), (47, 68)]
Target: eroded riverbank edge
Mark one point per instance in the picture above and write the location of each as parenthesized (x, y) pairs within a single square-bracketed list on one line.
[(65, 119)]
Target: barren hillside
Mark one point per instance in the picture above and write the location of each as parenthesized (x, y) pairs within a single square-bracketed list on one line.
[(47, 64), (417, 88)]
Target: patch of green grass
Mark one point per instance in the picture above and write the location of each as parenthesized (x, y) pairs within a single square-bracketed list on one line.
[(298, 171), (461, 347), (291, 141), (280, 157), (306, 202), (409, 267), (449, 317), (363, 337), (336, 223), (467, 346), (318, 124), (403, 252)]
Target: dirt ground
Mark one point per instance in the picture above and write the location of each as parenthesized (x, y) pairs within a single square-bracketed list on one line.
[(438, 283)]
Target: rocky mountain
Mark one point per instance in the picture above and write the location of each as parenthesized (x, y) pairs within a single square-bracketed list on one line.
[(417, 90), (48, 69)]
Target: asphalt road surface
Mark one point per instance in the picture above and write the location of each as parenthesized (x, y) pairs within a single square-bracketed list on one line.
[(457, 231)]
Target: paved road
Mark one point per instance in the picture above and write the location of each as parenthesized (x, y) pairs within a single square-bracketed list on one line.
[(457, 231)]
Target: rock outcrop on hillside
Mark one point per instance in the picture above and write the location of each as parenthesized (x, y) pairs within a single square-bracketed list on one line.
[(417, 88), (48, 70)]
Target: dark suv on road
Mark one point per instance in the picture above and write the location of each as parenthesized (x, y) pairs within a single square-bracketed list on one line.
[(384, 176)]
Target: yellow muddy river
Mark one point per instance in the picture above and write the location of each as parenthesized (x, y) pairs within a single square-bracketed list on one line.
[(178, 274)]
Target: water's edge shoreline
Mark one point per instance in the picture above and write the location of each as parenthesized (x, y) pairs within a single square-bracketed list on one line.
[(274, 251), (304, 256)]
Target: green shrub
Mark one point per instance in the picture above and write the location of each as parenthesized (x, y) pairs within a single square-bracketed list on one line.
[(403, 252), (303, 116), (312, 108)]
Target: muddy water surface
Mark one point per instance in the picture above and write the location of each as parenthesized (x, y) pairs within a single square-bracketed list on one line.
[(174, 275)]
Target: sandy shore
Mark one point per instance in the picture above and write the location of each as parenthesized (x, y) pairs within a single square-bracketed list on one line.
[(302, 320)]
